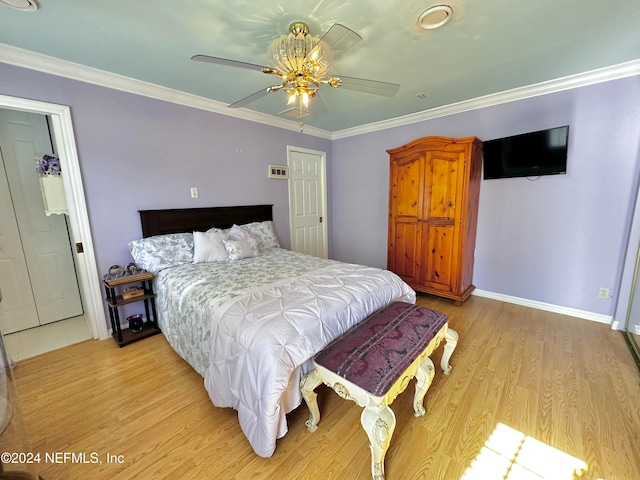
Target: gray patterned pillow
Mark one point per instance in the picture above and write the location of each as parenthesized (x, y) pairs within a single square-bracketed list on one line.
[(240, 244), (162, 251), (265, 234)]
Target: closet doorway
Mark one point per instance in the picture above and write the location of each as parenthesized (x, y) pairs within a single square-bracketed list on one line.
[(39, 279), (77, 220), (631, 330), (627, 311)]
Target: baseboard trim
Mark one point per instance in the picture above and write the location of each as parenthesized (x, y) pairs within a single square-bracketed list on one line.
[(572, 312)]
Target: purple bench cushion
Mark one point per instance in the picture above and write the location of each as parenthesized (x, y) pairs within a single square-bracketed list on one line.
[(374, 353)]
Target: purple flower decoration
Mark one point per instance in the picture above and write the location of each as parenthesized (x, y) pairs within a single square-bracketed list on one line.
[(48, 165)]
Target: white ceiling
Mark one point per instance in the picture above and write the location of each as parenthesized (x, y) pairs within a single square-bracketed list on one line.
[(489, 46)]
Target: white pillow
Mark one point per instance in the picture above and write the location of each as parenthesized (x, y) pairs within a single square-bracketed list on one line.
[(209, 247)]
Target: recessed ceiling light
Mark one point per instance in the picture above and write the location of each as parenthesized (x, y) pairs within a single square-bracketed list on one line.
[(24, 5), (435, 17)]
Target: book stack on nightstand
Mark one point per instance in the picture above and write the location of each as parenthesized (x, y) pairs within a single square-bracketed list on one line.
[(128, 289)]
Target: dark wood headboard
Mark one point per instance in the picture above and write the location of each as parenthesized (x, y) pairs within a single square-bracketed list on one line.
[(178, 220)]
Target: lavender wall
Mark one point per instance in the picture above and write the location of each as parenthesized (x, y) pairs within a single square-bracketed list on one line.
[(139, 153), (554, 240)]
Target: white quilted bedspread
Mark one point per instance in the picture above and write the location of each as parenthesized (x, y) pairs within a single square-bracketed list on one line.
[(259, 339)]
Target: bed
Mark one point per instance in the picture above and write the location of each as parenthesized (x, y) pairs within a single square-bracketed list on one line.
[(249, 323)]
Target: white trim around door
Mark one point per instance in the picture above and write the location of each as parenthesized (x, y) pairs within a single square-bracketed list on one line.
[(65, 144)]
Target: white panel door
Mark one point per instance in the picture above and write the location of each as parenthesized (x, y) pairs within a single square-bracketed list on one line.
[(45, 239), (18, 307), (307, 201)]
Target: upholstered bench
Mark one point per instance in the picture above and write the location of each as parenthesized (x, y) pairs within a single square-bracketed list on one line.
[(372, 363)]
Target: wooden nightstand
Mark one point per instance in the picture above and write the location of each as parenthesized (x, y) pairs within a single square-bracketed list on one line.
[(115, 290)]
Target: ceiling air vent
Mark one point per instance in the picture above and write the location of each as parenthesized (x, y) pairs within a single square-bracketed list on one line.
[(435, 17)]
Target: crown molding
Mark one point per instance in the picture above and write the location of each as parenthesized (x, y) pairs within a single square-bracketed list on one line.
[(74, 71), (622, 70), (63, 68)]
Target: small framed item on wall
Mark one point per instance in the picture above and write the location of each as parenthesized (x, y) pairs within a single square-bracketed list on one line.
[(278, 171)]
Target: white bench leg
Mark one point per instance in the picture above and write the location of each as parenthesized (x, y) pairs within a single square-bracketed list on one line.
[(424, 376), (379, 423), (307, 386), (452, 340)]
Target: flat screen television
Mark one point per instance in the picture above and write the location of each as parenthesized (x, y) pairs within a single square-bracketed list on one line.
[(527, 155)]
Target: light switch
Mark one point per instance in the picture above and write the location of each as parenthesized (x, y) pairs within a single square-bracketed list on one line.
[(194, 192)]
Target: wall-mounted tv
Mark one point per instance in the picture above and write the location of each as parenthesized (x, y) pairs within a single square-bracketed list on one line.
[(527, 155)]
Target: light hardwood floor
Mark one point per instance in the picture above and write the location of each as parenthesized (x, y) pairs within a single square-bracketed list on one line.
[(529, 389)]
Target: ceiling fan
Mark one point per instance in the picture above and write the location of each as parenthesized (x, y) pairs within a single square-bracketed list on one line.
[(302, 62)]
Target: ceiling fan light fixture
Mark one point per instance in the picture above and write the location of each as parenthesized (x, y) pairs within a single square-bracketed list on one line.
[(24, 5), (435, 17), (288, 53), (302, 63)]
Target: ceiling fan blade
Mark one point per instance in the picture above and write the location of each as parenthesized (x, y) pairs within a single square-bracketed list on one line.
[(230, 63), (338, 39), (251, 98), (369, 86)]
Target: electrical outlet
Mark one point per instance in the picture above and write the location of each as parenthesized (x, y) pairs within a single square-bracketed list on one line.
[(194, 192), (604, 292)]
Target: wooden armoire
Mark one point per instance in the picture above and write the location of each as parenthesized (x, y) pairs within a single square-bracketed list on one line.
[(434, 185)]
